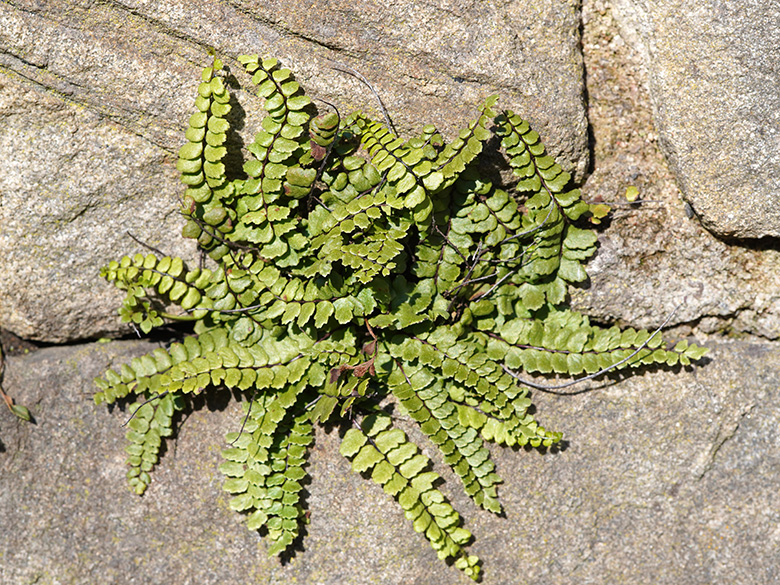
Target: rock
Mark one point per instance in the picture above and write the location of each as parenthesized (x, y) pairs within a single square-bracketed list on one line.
[(652, 256), (668, 477), (94, 112), (713, 71), (74, 187)]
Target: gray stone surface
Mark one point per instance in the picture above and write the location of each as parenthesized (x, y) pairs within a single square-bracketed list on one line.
[(714, 77), (669, 477), (653, 257), (94, 97), (72, 186)]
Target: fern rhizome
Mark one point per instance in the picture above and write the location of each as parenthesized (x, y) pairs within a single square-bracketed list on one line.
[(352, 272)]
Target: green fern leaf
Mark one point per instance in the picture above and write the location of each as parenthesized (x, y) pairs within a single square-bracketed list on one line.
[(399, 468)]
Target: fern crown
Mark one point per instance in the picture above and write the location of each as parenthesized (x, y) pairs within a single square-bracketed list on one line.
[(352, 272)]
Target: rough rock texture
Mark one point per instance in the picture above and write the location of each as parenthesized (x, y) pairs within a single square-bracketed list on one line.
[(94, 97), (714, 76), (653, 256), (667, 478), (72, 187)]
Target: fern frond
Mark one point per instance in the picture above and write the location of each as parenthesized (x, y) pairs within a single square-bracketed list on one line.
[(265, 465), (427, 402), (550, 207), (207, 199), (398, 466), (167, 278), (151, 422), (566, 343), (282, 171)]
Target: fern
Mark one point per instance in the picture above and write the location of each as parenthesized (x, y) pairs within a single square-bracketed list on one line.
[(351, 266)]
